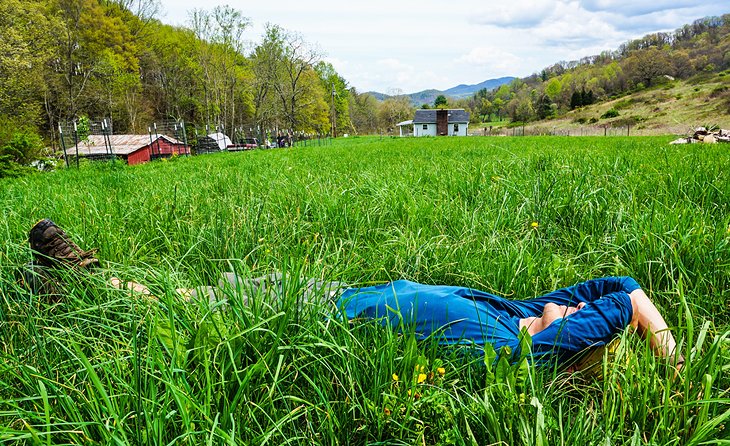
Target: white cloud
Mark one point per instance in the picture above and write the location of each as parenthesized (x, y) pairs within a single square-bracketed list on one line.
[(572, 26), (497, 60), (516, 14), (629, 8), (415, 45)]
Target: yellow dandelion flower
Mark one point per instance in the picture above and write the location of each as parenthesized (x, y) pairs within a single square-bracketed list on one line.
[(395, 377), (441, 371), (386, 411), (421, 378), (534, 225)]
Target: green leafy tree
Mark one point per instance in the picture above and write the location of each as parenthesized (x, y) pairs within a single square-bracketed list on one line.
[(85, 38), (644, 66), (25, 53), (499, 107), (363, 112), (440, 102), (170, 79), (553, 88), (313, 110), (545, 107), (486, 109), (576, 100), (293, 58), (394, 110), (224, 71), (337, 89)]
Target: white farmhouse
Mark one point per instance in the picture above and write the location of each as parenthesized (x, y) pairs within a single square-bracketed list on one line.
[(454, 122)]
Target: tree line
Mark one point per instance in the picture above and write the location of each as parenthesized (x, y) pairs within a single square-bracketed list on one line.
[(61, 60)]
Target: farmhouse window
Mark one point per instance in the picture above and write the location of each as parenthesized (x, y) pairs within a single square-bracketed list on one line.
[(456, 128), (425, 126)]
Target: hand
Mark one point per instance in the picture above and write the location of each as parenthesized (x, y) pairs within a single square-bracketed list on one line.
[(132, 286)]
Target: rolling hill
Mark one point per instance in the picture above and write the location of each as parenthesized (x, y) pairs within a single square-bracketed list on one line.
[(458, 92)]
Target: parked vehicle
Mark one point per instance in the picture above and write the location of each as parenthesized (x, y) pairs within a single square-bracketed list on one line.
[(246, 144)]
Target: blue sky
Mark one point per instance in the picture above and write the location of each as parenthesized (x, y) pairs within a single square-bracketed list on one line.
[(408, 46)]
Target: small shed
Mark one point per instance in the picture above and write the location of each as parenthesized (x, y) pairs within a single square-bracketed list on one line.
[(451, 122), (134, 149)]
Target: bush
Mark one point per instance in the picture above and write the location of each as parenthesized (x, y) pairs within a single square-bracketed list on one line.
[(611, 113), (593, 120), (622, 104), (19, 152)]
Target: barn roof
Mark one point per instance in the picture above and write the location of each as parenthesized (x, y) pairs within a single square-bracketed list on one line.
[(121, 144), (429, 116)]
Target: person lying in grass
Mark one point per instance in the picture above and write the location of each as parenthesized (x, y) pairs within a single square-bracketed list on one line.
[(562, 324)]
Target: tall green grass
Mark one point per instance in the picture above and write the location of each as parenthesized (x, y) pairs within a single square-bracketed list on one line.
[(103, 366)]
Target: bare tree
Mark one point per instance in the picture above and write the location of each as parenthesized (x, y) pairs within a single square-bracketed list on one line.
[(297, 56), (221, 45), (145, 10)]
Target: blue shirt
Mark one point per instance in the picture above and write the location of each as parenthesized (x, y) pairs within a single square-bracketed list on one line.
[(459, 315)]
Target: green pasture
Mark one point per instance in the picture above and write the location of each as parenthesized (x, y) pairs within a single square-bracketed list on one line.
[(513, 216)]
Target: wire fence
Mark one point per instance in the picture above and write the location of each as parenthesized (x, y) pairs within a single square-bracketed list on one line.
[(584, 130)]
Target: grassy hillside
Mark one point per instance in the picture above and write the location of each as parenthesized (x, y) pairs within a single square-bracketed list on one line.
[(671, 108), (514, 216)]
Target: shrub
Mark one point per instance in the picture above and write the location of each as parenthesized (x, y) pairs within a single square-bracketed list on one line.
[(19, 152), (622, 104), (628, 121), (610, 113), (593, 120)]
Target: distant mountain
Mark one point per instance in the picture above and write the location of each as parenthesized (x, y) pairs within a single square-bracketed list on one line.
[(378, 96), (463, 90), (458, 92)]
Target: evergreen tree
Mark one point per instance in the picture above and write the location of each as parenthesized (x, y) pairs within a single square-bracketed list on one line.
[(576, 100)]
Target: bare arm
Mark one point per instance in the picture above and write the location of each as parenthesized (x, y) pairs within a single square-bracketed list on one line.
[(650, 323), (137, 288)]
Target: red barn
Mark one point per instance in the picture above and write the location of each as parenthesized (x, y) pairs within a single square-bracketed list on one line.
[(134, 149)]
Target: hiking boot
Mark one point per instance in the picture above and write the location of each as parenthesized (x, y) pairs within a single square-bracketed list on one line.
[(52, 247)]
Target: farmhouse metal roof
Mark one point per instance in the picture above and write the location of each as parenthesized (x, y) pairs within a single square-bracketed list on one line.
[(429, 116), (121, 144)]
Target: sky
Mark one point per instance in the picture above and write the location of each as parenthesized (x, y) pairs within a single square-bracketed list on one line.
[(407, 46)]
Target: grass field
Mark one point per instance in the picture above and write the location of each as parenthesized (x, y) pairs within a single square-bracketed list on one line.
[(514, 216)]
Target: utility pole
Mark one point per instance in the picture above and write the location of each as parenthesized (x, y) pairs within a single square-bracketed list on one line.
[(334, 113), (76, 142), (63, 144)]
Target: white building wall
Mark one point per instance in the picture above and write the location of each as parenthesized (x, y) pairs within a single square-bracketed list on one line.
[(418, 130), (430, 129), (463, 128)]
